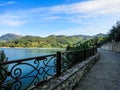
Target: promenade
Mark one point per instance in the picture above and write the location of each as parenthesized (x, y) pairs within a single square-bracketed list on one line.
[(104, 75)]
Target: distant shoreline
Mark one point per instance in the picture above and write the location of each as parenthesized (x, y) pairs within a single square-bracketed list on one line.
[(34, 47)]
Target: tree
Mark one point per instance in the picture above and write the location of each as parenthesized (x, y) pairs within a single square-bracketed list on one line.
[(114, 33)]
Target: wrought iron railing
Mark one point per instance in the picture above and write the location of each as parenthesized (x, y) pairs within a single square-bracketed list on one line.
[(29, 72), (70, 58)]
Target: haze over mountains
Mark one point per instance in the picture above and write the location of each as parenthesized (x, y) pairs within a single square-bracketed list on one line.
[(10, 36)]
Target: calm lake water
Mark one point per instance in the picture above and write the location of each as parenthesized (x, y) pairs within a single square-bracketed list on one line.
[(19, 53), (29, 72)]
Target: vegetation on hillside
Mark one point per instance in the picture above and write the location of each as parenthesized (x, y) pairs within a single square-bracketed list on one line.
[(50, 41), (95, 42)]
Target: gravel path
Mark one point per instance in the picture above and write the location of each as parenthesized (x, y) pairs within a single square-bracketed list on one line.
[(104, 75)]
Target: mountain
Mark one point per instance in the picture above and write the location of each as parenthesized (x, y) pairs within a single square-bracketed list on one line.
[(100, 35), (10, 36), (50, 41)]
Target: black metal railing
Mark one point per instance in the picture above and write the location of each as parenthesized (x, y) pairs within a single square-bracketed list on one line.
[(23, 73), (70, 58)]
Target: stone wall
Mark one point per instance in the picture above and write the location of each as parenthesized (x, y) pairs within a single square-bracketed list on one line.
[(114, 46), (71, 77)]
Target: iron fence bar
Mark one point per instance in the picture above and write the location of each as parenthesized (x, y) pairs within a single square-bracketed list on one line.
[(84, 54), (72, 51), (42, 57), (26, 59), (96, 49), (58, 64)]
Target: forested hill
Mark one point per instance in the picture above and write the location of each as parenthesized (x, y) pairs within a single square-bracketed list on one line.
[(9, 36), (50, 41)]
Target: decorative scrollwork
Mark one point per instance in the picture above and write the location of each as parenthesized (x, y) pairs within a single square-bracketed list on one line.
[(17, 85), (27, 73), (16, 72), (48, 68), (3, 74)]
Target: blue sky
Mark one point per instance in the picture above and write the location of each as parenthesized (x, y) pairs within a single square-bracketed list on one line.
[(58, 17)]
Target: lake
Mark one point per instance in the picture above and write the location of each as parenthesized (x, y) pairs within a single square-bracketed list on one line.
[(19, 53), (26, 74)]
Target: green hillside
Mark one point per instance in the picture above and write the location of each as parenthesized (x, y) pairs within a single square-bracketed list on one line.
[(46, 42), (50, 41)]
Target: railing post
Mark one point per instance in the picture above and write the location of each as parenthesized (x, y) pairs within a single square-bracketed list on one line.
[(93, 50), (91, 53), (84, 53), (58, 65)]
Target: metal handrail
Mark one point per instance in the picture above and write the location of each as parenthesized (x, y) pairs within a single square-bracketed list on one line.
[(46, 67), (26, 59)]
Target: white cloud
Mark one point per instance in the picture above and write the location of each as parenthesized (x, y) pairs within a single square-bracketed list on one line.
[(72, 13), (10, 20), (7, 3), (89, 7), (76, 12), (51, 18), (12, 23)]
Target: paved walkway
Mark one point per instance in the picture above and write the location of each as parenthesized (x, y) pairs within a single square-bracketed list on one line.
[(104, 75)]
